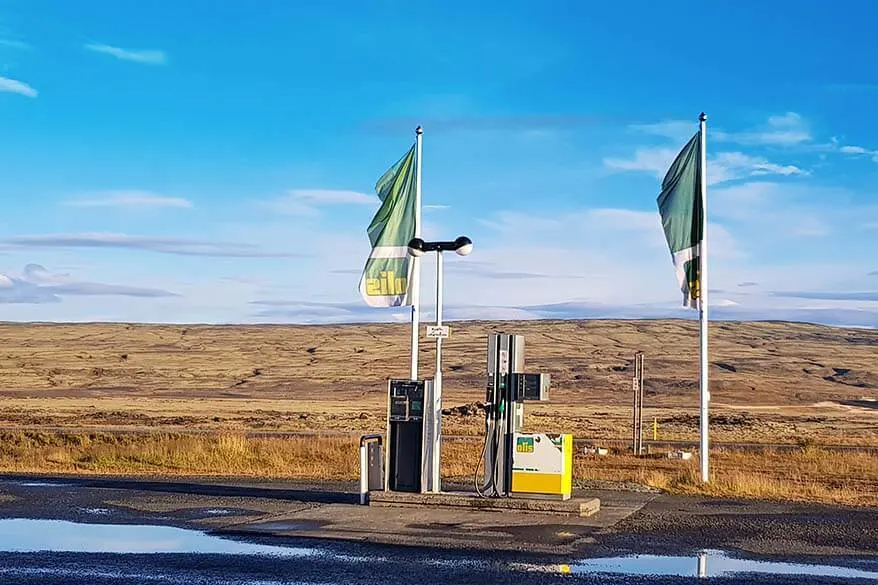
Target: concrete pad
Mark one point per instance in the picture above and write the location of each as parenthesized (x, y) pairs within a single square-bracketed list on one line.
[(579, 506)]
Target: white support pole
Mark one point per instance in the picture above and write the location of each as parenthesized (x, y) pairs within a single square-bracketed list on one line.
[(702, 565), (416, 271), (364, 474), (437, 380), (703, 307)]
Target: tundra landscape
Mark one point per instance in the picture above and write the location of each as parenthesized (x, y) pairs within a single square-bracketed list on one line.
[(291, 401)]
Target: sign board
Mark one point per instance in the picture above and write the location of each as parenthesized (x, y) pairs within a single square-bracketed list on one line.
[(437, 331), (504, 361)]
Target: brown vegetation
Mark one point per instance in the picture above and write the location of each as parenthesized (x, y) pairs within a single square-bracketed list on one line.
[(807, 474), (192, 392)]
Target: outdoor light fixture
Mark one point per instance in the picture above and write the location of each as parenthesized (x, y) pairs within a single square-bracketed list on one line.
[(461, 246)]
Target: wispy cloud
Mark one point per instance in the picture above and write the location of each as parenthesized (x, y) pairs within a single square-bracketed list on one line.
[(852, 87), (177, 246), (725, 166), (436, 207), (37, 285), (747, 284), (489, 123), (830, 295), (8, 85), (676, 130), (131, 199), (146, 56), (786, 209), (651, 160), (490, 271), (785, 130), (14, 44), (307, 201), (859, 151)]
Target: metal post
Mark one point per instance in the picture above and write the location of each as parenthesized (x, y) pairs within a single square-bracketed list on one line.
[(703, 305), (702, 565), (640, 406), (437, 382), (364, 474), (416, 270), (634, 409), (637, 386), (365, 478)]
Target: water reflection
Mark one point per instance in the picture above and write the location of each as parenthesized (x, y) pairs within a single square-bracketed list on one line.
[(25, 535), (711, 563)]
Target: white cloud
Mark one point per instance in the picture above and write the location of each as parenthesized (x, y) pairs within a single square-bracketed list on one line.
[(725, 166), (132, 199), (147, 56), (436, 207), (767, 168), (165, 245), (857, 151), (785, 130), (516, 222), (39, 286), (8, 85), (651, 160), (307, 201), (677, 130), (14, 44), (780, 208)]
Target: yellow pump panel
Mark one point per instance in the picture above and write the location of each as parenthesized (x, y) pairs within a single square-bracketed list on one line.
[(542, 465)]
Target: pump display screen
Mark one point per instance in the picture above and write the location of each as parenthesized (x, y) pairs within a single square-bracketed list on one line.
[(406, 400)]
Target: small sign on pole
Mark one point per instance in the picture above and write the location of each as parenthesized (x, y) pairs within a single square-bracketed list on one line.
[(438, 331)]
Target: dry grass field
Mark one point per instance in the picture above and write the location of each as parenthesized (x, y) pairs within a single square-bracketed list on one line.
[(771, 383)]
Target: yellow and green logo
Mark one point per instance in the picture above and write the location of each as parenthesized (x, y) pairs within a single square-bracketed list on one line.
[(524, 445), (387, 284)]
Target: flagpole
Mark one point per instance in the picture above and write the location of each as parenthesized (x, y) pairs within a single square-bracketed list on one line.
[(703, 304), (416, 271)]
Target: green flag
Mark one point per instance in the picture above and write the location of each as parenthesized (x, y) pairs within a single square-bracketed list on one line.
[(388, 271), (682, 212)]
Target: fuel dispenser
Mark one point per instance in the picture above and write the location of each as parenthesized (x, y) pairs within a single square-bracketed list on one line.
[(518, 463), (410, 445)]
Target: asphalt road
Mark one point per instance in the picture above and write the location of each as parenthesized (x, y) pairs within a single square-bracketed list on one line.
[(213, 533)]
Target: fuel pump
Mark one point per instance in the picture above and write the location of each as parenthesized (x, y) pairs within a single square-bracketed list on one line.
[(410, 445), (518, 463)]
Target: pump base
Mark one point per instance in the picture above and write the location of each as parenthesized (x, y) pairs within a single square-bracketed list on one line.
[(581, 507)]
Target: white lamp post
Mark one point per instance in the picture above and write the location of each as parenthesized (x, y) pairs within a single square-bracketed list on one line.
[(418, 247)]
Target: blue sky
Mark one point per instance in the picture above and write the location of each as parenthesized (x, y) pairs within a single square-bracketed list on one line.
[(197, 161)]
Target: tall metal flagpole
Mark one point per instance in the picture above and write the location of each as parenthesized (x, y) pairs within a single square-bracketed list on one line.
[(703, 304), (416, 271)]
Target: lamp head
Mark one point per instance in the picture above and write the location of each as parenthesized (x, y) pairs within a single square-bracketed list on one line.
[(463, 246), (416, 247)]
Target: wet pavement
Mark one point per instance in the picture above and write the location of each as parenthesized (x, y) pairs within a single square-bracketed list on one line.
[(100, 532)]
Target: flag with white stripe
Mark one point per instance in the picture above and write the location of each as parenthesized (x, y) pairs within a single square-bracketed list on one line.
[(682, 213), (388, 272)]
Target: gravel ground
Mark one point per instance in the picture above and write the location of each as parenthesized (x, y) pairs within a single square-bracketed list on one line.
[(842, 537)]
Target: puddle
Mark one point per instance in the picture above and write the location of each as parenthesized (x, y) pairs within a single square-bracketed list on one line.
[(25, 535), (707, 564), (46, 484)]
